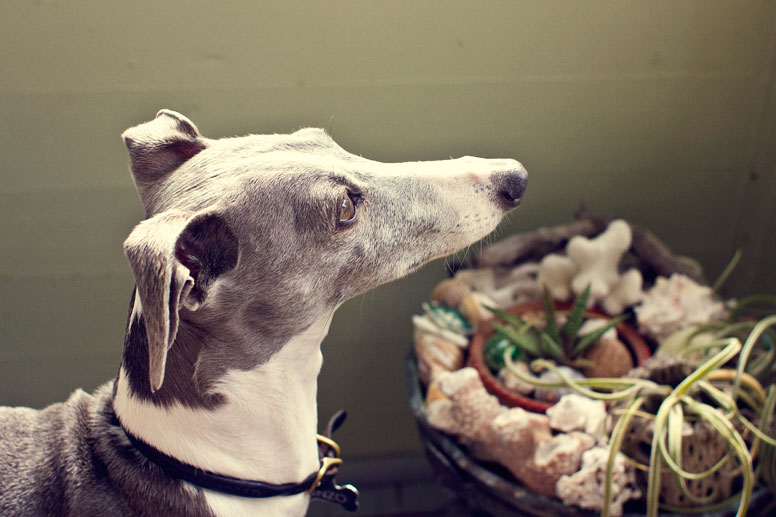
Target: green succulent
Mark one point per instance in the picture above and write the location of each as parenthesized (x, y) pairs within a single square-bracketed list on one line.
[(562, 344)]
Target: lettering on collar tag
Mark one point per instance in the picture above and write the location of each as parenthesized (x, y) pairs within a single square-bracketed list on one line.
[(343, 495)]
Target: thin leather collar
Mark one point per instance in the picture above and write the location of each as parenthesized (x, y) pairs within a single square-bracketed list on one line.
[(320, 484), (217, 482)]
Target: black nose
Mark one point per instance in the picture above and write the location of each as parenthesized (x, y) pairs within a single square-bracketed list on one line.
[(511, 188)]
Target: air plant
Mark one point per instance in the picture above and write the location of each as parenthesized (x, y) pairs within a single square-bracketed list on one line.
[(562, 344), (715, 392)]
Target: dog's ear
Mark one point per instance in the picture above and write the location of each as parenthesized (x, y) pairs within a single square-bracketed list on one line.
[(175, 256), (160, 146)]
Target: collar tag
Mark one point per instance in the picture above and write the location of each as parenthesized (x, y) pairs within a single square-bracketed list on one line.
[(324, 486), (343, 495)]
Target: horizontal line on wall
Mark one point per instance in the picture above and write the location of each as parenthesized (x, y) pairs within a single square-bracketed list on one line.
[(299, 83)]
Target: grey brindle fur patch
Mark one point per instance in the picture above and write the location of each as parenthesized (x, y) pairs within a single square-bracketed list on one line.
[(241, 250)]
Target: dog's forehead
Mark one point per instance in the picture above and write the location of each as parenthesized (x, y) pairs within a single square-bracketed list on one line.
[(305, 141), (307, 151), (256, 165)]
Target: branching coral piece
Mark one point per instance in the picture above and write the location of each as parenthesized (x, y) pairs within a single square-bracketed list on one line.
[(467, 410), (577, 413), (523, 443), (598, 259), (555, 274), (585, 488), (594, 262), (624, 293), (562, 453), (519, 440)]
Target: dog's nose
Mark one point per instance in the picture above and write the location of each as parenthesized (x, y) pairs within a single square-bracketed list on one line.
[(512, 186)]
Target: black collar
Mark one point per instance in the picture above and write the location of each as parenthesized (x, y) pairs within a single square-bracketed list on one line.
[(319, 484)]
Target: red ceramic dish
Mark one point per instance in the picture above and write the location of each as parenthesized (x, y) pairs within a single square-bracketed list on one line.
[(638, 347)]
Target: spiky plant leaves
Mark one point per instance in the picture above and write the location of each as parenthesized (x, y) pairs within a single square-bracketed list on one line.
[(552, 348), (575, 317), (549, 317), (517, 322), (522, 340), (588, 339)]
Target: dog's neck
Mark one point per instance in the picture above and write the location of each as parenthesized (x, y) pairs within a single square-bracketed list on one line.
[(262, 428)]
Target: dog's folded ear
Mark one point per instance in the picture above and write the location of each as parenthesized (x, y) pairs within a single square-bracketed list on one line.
[(175, 256), (160, 146)]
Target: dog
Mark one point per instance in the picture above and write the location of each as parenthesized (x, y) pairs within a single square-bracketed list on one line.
[(248, 247)]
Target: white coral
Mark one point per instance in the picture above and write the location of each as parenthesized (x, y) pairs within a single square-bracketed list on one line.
[(471, 409), (594, 262), (578, 413), (555, 274), (585, 488), (675, 303), (563, 452), (624, 293), (598, 258)]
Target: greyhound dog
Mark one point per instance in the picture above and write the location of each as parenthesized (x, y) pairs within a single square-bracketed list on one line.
[(248, 247)]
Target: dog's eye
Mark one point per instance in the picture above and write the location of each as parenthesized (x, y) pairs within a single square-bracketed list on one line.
[(346, 210)]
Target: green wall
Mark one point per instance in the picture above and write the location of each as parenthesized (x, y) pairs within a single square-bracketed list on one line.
[(663, 112)]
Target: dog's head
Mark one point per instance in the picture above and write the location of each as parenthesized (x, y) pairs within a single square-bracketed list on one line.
[(254, 238)]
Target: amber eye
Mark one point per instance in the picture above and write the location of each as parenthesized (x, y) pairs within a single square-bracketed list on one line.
[(346, 211)]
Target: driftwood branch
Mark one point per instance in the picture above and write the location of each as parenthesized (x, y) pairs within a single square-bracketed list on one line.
[(654, 257), (532, 246)]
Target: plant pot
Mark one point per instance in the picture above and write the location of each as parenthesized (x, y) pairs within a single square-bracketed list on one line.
[(638, 348)]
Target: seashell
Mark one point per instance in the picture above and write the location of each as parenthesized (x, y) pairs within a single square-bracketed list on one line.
[(447, 318), (450, 292), (435, 355), (434, 393), (427, 325), (473, 308)]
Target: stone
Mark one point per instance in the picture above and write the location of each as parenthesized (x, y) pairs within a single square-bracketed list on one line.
[(511, 382), (610, 357), (554, 394)]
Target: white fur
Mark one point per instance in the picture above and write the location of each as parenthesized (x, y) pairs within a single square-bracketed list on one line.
[(137, 310), (265, 431)]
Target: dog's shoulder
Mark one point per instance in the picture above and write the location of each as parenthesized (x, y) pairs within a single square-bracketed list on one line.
[(31, 458)]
